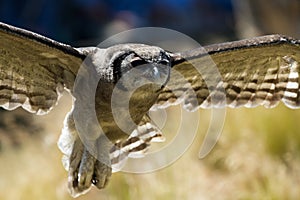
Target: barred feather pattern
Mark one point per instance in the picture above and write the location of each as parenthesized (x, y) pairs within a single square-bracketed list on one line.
[(136, 145), (279, 83), (248, 88), (33, 74)]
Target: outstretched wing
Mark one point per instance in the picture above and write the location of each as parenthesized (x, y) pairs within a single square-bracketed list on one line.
[(34, 70), (252, 72)]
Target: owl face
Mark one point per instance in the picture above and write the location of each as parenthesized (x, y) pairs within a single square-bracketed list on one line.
[(140, 65), (134, 65)]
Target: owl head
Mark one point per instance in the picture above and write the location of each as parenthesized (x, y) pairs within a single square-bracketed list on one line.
[(130, 66)]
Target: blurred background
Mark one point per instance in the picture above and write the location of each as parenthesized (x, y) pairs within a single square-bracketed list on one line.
[(257, 156)]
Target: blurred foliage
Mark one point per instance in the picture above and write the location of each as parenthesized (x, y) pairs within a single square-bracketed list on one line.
[(16, 127), (255, 158), (255, 17)]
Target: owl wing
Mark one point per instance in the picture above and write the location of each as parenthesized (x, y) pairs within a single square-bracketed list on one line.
[(34, 70), (251, 72)]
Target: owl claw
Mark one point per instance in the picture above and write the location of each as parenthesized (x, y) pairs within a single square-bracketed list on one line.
[(81, 169), (102, 170), (102, 174), (86, 170)]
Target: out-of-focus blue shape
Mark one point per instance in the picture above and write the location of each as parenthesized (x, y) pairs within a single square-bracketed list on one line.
[(81, 20)]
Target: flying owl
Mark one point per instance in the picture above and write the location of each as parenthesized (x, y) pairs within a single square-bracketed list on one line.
[(35, 70)]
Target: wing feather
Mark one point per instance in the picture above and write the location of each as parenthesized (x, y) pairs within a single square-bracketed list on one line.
[(258, 71), (34, 70)]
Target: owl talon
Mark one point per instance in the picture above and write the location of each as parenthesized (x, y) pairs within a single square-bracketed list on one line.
[(81, 169), (102, 170), (102, 174), (86, 170)]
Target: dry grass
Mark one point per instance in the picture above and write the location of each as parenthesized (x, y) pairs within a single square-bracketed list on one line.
[(257, 157)]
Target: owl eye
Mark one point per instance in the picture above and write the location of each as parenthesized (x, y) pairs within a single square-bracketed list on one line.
[(164, 62), (138, 62)]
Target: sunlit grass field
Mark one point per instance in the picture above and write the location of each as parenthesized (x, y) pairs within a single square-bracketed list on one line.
[(257, 157)]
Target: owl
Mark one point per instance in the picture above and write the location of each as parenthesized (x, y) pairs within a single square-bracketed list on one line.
[(35, 71)]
